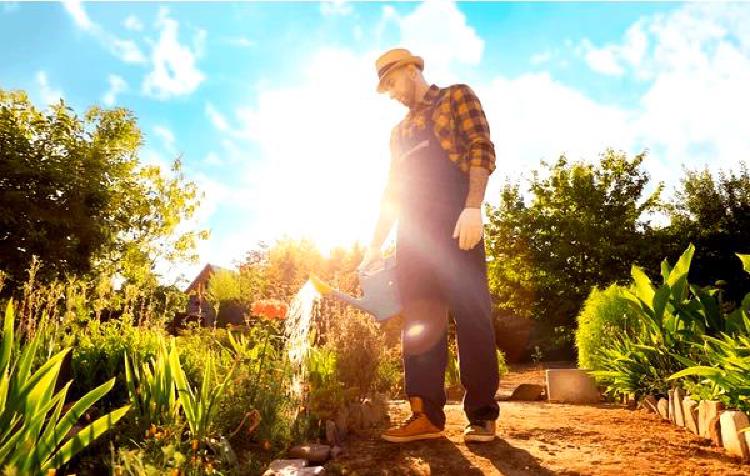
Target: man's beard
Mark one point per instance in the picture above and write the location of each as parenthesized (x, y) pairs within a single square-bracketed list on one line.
[(411, 95)]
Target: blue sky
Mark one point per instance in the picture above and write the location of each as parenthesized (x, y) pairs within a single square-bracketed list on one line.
[(273, 109)]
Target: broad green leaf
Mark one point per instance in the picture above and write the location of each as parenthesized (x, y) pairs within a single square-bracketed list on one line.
[(643, 288), (78, 409), (682, 266), (745, 262), (698, 370), (84, 438), (7, 337)]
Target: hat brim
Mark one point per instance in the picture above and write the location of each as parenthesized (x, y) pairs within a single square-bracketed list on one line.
[(416, 61)]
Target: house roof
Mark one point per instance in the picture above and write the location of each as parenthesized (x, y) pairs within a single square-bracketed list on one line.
[(203, 277)]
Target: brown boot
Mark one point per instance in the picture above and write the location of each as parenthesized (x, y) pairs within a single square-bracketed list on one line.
[(417, 427)]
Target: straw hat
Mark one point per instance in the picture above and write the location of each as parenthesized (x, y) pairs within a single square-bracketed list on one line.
[(393, 59)]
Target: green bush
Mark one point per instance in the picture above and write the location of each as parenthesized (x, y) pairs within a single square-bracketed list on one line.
[(606, 316), (99, 355)]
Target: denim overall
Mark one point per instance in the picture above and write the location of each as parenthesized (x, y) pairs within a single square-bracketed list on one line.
[(435, 276)]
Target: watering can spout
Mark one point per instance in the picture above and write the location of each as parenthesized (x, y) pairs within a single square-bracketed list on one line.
[(381, 298)]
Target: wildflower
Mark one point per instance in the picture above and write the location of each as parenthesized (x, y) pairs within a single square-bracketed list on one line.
[(270, 309), (195, 445), (266, 445)]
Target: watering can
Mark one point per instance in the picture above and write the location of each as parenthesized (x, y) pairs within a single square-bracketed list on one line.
[(381, 297)]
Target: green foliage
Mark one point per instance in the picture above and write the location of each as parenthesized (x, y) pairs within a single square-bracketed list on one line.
[(73, 192), (151, 387), (606, 317), (99, 352), (713, 212), (582, 228), (33, 427), (199, 407), (678, 326), (326, 393)]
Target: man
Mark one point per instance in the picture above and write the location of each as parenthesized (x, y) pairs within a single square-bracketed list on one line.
[(441, 158)]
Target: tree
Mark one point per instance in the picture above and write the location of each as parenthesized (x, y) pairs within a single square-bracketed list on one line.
[(73, 192), (583, 227), (714, 214)]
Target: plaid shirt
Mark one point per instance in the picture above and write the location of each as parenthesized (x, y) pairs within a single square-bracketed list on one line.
[(459, 124)]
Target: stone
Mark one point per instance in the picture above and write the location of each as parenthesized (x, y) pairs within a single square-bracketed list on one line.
[(527, 392), (284, 467), (670, 395), (342, 422), (336, 451), (735, 443), (312, 453), (331, 437), (354, 416), (370, 417), (311, 471), (714, 430), (690, 413), (679, 415), (662, 407), (571, 386), (648, 403), (707, 410)]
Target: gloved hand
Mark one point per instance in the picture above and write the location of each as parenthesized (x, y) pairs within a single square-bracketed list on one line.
[(373, 258), (469, 228)]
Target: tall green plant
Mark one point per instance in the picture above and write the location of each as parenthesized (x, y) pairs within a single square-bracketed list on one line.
[(151, 387), (199, 408), (32, 427), (605, 318), (669, 320)]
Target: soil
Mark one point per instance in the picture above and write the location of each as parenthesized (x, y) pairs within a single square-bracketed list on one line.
[(540, 438)]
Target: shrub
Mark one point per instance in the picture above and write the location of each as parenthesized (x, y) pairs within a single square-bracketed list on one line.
[(605, 317)]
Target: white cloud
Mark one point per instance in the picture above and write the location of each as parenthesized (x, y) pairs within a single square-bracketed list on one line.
[(126, 50), (133, 23), (437, 31), (213, 159), (239, 41), (540, 58), (75, 9), (174, 70), (116, 85), (602, 60), (48, 94), (336, 7), (216, 118), (166, 136), (695, 62)]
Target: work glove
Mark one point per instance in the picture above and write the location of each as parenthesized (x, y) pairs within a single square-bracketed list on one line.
[(469, 228), (373, 259)]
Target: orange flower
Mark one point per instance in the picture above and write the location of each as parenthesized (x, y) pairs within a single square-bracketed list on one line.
[(270, 309)]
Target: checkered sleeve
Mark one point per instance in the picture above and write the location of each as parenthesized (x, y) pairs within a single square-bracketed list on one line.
[(472, 125)]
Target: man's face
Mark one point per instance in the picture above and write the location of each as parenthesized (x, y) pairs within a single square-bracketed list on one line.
[(400, 86)]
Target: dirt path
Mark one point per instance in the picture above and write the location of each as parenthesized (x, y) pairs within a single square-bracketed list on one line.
[(538, 438)]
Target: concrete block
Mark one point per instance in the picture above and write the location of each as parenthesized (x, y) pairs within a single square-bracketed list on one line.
[(571, 386), (679, 415), (714, 430), (285, 467), (670, 395), (735, 442), (707, 410), (663, 408), (690, 413), (312, 453)]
